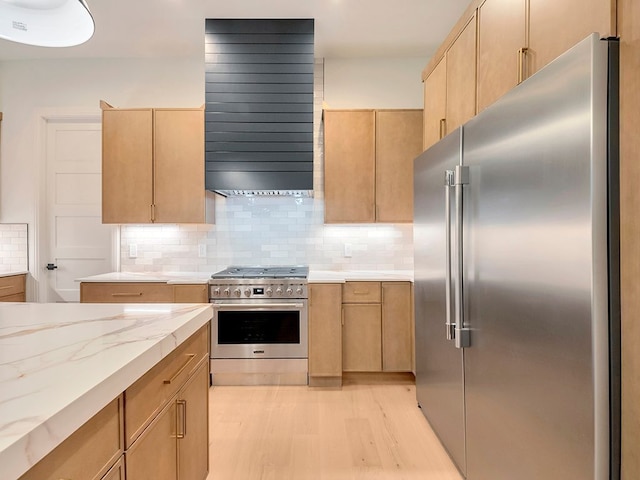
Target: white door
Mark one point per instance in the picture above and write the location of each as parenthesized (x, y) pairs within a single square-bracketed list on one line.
[(77, 243)]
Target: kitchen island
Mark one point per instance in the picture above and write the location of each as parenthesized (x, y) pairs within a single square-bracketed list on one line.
[(61, 364)]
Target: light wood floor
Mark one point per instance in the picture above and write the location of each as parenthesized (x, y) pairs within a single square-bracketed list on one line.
[(366, 430)]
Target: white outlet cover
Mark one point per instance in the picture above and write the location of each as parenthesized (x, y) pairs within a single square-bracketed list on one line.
[(202, 250), (133, 250), (348, 250)]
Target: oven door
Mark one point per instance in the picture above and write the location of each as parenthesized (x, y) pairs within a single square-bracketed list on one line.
[(259, 329)]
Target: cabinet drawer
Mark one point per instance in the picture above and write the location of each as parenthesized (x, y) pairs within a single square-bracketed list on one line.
[(126, 293), (361, 292), (191, 293), (147, 396), (12, 285), (18, 297), (88, 453)]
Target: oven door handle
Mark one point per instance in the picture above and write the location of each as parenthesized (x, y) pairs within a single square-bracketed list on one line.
[(253, 306)]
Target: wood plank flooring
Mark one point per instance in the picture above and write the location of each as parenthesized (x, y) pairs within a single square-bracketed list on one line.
[(368, 429)]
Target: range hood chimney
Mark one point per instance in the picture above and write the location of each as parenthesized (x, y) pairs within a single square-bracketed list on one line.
[(259, 106)]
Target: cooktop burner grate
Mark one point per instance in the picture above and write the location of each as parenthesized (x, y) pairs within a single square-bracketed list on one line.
[(298, 271)]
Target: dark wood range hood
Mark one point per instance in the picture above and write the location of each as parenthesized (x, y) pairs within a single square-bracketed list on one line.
[(259, 106)]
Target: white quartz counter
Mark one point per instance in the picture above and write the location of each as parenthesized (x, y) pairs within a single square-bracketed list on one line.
[(62, 363), (315, 276), (11, 274), (335, 276), (170, 277)]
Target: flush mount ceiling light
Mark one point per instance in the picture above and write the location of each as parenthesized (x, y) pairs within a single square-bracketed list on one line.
[(46, 23)]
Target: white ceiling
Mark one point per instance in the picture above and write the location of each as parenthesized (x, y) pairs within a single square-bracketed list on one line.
[(175, 28)]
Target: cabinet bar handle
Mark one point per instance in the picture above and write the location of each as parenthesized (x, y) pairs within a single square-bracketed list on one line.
[(127, 294), (342, 317), (177, 374), (182, 432), (443, 127), (153, 212), (356, 292), (522, 63)]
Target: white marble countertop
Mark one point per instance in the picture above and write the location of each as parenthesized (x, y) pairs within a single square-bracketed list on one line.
[(62, 363), (11, 274), (315, 276)]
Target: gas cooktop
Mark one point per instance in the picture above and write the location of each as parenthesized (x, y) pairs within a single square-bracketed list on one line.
[(297, 271)]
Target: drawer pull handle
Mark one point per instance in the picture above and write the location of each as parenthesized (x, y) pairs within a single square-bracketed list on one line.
[(8, 286), (182, 432), (177, 374), (366, 292), (139, 294)]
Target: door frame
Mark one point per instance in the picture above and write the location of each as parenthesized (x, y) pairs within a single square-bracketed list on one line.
[(40, 230)]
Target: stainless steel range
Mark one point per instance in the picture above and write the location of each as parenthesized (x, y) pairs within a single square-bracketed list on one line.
[(259, 331)]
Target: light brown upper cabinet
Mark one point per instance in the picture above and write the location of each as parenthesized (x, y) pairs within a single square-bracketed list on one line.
[(557, 25), (368, 164), (153, 166), (502, 46), (450, 88)]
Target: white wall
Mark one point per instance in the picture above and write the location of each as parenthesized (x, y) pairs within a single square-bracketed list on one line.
[(30, 90)]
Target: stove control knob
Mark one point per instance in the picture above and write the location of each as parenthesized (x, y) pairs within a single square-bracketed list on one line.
[(226, 292), (299, 291), (237, 292), (289, 291), (278, 291), (247, 292), (216, 292), (269, 292)]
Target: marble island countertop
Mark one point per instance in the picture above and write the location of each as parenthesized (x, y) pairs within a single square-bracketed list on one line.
[(61, 363), (315, 276)]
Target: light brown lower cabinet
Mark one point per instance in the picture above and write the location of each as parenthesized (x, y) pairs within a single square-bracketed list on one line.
[(142, 292), (175, 445), (89, 453), (325, 334), (377, 327), (116, 472), (12, 288)]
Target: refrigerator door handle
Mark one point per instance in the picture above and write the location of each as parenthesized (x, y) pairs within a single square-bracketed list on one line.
[(448, 183), (461, 334)]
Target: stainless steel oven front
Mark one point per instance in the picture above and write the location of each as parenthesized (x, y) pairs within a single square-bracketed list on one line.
[(259, 332)]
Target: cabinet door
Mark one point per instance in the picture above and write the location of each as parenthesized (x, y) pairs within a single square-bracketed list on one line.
[(325, 330), (461, 77), (397, 338), (127, 166), (361, 338), (398, 142), (349, 166), (556, 26), (116, 472), (193, 426), (179, 166), (501, 35), (191, 293), (154, 453), (435, 104)]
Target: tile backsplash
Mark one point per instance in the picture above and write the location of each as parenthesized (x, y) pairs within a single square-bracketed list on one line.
[(13, 247), (267, 231)]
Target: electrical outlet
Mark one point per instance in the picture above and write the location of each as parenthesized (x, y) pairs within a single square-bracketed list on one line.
[(133, 250), (348, 251), (202, 250)]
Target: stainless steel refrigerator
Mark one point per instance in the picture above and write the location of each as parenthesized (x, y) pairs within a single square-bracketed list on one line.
[(516, 278)]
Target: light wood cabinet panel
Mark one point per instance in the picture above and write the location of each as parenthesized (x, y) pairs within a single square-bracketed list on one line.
[(124, 292), (155, 453), (435, 105), (557, 25), (461, 77), (12, 288), (349, 166), (361, 292), (191, 293), (153, 166), (89, 452), (361, 338), (397, 327), (501, 36), (325, 331), (398, 142), (179, 166), (116, 472), (127, 165), (193, 429), (148, 395)]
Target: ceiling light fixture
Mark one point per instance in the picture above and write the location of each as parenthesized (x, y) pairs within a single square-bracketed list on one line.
[(46, 23)]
